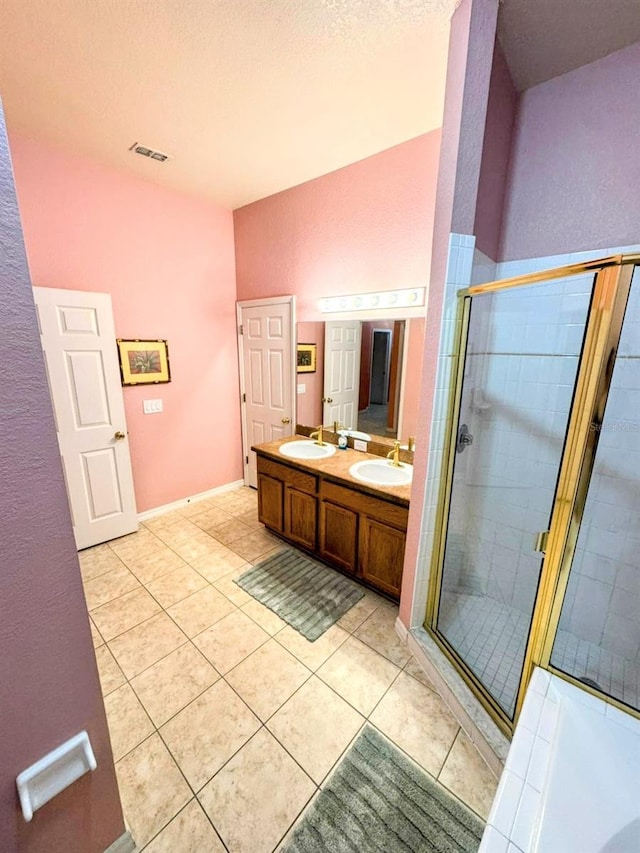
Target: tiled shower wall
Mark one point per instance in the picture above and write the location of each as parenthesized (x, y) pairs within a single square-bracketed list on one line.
[(519, 374), (460, 264), (603, 597)]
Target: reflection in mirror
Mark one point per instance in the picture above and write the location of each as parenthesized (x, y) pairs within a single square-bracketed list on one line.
[(387, 383)]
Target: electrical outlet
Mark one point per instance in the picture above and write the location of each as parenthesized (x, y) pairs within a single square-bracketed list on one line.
[(359, 445), (302, 388)]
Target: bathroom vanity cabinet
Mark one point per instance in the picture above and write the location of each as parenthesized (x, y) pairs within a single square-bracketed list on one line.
[(288, 502), (360, 531)]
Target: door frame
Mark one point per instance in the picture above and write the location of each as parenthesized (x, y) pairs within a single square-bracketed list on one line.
[(256, 303)]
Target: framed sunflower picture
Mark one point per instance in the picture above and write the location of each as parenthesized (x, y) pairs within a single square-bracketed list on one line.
[(307, 354), (143, 362)]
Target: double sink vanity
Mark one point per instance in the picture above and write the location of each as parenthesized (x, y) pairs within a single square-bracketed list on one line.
[(347, 507)]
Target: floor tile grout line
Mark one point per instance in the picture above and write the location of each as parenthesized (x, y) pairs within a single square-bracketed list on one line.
[(223, 676), (179, 812), (449, 753), (164, 609)]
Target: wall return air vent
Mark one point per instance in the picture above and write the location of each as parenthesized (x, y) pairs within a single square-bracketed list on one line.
[(151, 153)]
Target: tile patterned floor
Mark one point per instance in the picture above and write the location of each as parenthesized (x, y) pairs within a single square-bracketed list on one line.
[(225, 721)]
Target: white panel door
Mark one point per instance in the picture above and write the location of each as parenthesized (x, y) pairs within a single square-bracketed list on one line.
[(79, 343), (341, 372), (267, 374)]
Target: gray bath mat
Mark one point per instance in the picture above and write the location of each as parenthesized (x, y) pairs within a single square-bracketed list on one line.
[(378, 801), (303, 592)]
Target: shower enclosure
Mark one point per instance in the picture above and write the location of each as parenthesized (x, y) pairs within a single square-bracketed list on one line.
[(537, 552)]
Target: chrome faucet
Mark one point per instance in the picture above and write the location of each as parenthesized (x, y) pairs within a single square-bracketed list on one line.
[(318, 433), (395, 453)]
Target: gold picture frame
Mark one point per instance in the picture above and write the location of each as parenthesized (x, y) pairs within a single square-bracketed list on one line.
[(143, 362), (307, 356)]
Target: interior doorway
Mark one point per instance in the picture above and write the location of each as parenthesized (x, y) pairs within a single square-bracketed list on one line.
[(380, 358), (266, 335)]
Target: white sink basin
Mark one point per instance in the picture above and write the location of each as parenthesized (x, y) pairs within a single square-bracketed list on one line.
[(307, 449), (380, 472)]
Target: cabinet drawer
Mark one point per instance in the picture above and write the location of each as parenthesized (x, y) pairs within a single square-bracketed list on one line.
[(291, 476), (383, 510)]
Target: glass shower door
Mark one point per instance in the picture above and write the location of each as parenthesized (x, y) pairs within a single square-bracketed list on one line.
[(598, 637), (520, 364)]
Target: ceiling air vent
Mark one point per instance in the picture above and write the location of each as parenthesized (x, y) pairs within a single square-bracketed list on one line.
[(151, 153)]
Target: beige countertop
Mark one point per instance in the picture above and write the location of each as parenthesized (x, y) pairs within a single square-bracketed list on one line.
[(336, 469)]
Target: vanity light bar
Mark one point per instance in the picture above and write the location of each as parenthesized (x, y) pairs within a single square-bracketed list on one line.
[(411, 298)]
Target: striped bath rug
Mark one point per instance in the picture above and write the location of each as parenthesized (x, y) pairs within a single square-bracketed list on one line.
[(378, 801), (307, 595)]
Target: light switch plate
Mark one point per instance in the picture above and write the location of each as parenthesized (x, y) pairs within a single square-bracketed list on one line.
[(359, 445), (151, 407), (302, 388)]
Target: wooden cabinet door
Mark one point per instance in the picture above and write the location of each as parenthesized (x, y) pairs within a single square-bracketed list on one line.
[(381, 554), (300, 518), (271, 502), (339, 535)]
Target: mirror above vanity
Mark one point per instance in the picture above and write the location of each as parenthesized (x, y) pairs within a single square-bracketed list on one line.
[(367, 375)]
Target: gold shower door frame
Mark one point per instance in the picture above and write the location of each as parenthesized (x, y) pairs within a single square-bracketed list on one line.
[(595, 369)]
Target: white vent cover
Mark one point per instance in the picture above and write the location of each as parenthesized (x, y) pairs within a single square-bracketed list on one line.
[(145, 151)]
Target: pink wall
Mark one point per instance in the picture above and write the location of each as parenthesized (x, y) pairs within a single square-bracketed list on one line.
[(575, 169), (49, 688), (167, 260), (498, 134), (471, 43), (309, 411), (363, 228), (414, 341), (470, 64)]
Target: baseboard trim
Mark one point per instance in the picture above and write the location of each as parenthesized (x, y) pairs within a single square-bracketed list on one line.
[(201, 496), (401, 631), (124, 844)]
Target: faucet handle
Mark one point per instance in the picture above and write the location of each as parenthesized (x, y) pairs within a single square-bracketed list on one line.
[(318, 433), (394, 454)]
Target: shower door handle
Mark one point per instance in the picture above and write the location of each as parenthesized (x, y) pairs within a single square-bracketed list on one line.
[(465, 439)]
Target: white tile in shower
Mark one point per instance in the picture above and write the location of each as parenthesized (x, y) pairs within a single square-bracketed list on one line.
[(548, 719), (505, 804), (525, 820), (538, 764), (493, 841)]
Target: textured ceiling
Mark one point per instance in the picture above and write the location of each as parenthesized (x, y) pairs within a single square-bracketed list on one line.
[(544, 38), (250, 97)]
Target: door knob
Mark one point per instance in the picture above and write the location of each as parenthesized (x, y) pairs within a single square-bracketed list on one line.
[(327, 399), (286, 420), (119, 435)]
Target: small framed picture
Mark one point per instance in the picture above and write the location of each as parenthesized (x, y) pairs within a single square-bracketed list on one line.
[(307, 358), (143, 362)]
